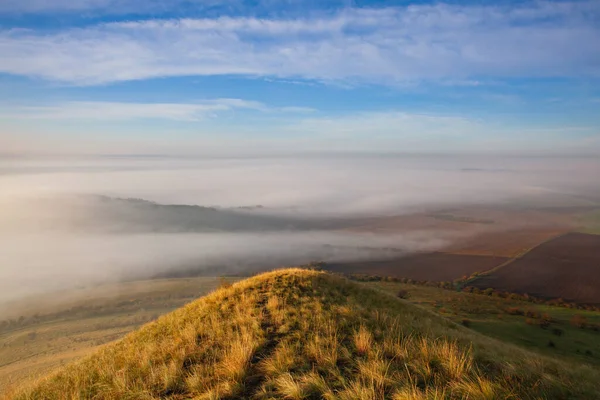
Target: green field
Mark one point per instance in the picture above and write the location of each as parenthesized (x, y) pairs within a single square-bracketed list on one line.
[(488, 315)]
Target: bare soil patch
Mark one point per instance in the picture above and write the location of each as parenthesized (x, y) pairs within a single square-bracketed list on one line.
[(422, 267), (503, 244), (567, 267)]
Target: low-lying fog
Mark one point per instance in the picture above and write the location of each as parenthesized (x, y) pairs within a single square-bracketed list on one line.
[(73, 222)]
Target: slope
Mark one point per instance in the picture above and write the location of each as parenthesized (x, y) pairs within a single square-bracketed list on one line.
[(302, 334)]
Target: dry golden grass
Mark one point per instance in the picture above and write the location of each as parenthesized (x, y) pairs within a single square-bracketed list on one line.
[(299, 334), (76, 323)]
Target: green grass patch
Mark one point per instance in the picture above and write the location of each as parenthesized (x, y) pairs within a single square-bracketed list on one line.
[(489, 315)]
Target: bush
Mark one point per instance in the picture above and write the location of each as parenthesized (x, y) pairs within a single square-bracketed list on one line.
[(515, 311), (547, 317), (403, 294), (532, 314), (579, 321), (557, 331)]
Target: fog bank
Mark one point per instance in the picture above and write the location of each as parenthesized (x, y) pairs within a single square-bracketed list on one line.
[(67, 222)]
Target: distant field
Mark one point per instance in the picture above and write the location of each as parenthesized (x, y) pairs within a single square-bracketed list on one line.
[(427, 267), (567, 267), (82, 320), (505, 243), (591, 223), (488, 315)]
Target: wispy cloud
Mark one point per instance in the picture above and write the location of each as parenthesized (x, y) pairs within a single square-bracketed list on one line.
[(29, 6), (268, 130), (388, 45), (110, 7), (100, 110), (393, 124)]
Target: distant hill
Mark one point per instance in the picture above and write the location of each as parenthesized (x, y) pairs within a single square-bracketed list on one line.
[(138, 215), (566, 267), (299, 334)]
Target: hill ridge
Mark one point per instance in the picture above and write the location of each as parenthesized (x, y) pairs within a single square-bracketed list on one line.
[(303, 334)]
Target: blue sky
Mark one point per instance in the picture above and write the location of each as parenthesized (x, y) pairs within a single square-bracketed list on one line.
[(197, 77)]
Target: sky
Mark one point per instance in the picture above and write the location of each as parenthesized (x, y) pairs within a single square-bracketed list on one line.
[(198, 77)]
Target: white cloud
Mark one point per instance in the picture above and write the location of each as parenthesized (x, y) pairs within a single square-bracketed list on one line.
[(28, 6), (269, 130), (297, 109), (106, 111), (389, 45), (393, 124), (110, 7)]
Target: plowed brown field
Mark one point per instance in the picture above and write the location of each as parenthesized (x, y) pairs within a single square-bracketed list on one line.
[(566, 267), (503, 244), (426, 267)]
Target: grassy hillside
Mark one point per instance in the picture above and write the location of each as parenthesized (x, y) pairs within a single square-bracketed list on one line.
[(301, 334), (560, 332), (43, 332)]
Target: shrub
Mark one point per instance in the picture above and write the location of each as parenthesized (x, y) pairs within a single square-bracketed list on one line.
[(515, 311), (557, 331), (579, 321), (547, 317), (532, 314), (403, 294)]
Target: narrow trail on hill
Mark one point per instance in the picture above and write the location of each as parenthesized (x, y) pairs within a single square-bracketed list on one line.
[(255, 377)]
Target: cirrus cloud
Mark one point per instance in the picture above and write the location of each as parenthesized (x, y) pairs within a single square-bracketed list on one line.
[(385, 46), (104, 110)]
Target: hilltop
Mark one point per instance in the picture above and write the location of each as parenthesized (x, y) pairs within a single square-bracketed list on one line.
[(301, 334)]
